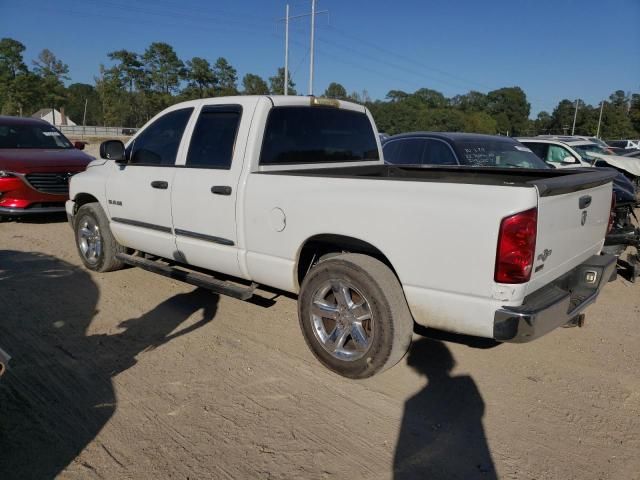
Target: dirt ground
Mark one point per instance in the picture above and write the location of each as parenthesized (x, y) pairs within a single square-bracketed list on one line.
[(131, 375)]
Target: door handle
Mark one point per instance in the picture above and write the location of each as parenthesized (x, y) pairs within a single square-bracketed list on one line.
[(221, 190), (161, 184), (584, 201)]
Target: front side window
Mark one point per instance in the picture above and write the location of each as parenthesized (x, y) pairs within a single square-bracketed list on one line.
[(32, 136), (557, 154), (297, 135), (214, 137), (158, 143)]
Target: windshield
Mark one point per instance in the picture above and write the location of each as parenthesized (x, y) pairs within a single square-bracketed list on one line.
[(585, 150), (317, 135), (32, 136), (599, 142), (498, 154)]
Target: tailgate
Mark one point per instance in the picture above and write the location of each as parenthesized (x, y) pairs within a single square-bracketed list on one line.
[(573, 216)]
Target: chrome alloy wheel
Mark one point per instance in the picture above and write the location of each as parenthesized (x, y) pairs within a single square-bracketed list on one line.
[(342, 320), (89, 239)]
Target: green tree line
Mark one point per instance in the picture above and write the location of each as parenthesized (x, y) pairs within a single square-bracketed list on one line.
[(134, 86)]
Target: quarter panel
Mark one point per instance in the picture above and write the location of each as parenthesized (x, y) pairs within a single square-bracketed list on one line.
[(437, 236)]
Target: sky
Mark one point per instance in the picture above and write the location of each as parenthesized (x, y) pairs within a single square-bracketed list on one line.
[(551, 49)]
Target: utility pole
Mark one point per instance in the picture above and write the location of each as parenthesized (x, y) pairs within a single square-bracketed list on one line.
[(575, 115), (600, 119), (84, 115), (313, 30), (286, 19), (286, 51)]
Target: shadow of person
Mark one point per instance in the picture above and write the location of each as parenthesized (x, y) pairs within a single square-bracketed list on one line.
[(441, 436), (58, 393), (118, 352)]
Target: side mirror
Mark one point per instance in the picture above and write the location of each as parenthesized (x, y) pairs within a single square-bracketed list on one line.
[(569, 160), (112, 150), (79, 145)]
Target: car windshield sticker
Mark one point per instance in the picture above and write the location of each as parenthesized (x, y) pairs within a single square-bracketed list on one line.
[(51, 134)]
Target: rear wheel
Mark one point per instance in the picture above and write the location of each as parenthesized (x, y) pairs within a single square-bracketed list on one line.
[(354, 316), (96, 244)]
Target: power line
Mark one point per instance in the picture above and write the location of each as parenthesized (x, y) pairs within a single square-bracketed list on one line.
[(466, 83), (311, 43), (413, 61)]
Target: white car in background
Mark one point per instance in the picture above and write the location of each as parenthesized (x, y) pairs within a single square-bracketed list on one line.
[(574, 138), (581, 153), (626, 144)]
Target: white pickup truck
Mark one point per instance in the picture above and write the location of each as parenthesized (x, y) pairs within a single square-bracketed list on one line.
[(292, 193)]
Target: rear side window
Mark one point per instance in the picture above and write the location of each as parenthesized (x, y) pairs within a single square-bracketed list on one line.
[(438, 153), (214, 137), (410, 151), (390, 150), (317, 135), (418, 151), (540, 149), (158, 143)]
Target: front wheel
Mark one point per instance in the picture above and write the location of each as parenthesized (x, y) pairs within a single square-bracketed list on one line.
[(354, 316), (96, 244)]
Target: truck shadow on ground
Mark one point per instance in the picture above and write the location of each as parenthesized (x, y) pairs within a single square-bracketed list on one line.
[(468, 340), (59, 393), (442, 436), (626, 270)]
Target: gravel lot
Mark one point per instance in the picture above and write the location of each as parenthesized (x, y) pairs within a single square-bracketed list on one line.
[(131, 375)]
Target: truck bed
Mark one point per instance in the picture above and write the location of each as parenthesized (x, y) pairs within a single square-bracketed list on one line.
[(549, 182)]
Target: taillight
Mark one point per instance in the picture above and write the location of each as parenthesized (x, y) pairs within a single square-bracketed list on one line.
[(516, 247), (612, 214)]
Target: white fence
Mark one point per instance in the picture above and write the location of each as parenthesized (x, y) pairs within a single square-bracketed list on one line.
[(79, 130)]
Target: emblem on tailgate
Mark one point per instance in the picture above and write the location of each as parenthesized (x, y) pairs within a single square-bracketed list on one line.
[(544, 255)]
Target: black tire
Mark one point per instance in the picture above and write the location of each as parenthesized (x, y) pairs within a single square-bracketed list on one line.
[(105, 259), (375, 286)]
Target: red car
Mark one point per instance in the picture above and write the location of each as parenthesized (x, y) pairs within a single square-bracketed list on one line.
[(36, 163)]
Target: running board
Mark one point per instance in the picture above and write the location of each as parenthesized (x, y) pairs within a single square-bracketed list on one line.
[(192, 278)]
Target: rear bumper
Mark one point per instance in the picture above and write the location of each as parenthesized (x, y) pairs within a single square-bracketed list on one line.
[(556, 304)]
